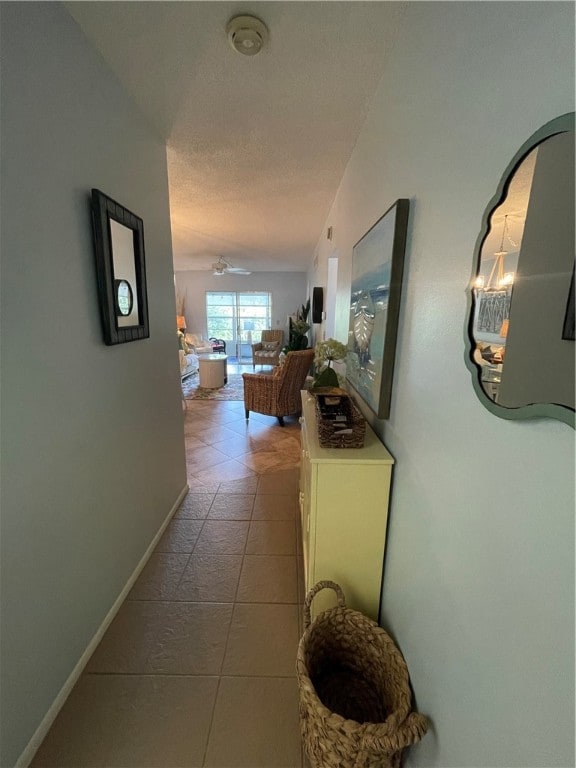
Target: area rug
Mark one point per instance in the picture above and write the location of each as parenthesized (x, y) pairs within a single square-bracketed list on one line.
[(233, 390)]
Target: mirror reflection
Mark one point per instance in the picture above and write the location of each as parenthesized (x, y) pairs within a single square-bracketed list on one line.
[(521, 289), (124, 264)]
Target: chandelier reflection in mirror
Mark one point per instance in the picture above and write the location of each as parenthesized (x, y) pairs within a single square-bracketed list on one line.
[(520, 355)]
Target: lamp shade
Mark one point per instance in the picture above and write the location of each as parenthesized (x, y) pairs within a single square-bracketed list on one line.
[(180, 322)]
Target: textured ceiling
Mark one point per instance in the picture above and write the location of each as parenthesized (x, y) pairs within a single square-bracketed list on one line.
[(513, 209), (256, 146)]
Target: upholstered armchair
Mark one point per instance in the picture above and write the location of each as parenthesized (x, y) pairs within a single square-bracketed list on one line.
[(218, 345), (267, 351), (278, 393)]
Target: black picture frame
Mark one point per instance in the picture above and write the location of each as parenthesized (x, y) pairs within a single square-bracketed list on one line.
[(119, 252), (377, 270), (568, 331)]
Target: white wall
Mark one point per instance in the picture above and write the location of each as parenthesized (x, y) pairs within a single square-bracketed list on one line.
[(289, 291), (92, 436), (479, 577)]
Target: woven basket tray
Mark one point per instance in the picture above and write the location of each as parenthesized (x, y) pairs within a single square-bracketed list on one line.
[(354, 691), (338, 434)]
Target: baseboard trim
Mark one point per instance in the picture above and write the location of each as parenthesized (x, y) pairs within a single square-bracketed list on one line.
[(40, 734)]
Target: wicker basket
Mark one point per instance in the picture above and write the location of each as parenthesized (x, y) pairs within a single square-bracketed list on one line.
[(355, 699), (330, 434)]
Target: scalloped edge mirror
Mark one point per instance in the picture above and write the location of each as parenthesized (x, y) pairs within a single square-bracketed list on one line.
[(519, 334)]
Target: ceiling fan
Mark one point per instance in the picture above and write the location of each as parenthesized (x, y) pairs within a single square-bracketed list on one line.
[(223, 267)]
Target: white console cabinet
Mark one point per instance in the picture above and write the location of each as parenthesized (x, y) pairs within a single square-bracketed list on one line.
[(343, 513)]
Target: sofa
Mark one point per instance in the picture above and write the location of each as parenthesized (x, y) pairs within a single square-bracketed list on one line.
[(188, 364), (197, 344), (202, 346)]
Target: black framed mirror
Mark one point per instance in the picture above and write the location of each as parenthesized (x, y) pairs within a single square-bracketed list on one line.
[(121, 270), (520, 330)]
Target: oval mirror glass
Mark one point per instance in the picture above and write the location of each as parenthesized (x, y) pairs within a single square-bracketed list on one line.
[(521, 322)]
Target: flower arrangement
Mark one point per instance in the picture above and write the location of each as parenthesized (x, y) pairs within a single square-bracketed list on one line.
[(326, 352)]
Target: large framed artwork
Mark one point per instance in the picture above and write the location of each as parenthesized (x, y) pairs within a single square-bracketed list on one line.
[(120, 270), (570, 316), (377, 268), (492, 316)]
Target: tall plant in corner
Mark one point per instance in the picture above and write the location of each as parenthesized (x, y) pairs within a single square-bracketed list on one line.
[(297, 338)]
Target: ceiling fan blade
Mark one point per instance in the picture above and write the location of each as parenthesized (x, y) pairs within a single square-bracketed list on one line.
[(223, 267)]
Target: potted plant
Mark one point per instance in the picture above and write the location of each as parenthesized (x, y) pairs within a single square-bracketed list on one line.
[(326, 352), (297, 338)]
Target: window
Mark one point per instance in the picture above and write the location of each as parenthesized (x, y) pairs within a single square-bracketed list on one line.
[(238, 318)]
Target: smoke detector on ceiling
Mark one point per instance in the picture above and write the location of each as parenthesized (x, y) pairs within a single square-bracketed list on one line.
[(247, 34)]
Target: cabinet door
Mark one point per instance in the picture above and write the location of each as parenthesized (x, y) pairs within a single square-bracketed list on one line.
[(305, 507), (350, 531)]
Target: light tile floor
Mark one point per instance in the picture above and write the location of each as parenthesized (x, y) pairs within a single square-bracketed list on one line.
[(198, 667)]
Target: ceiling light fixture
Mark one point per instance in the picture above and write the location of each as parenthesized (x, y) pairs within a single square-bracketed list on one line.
[(498, 280), (247, 34)]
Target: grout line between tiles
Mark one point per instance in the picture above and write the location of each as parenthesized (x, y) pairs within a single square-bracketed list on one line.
[(152, 674), (177, 587), (268, 554), (266, 602), (205, 753), (187, 674)]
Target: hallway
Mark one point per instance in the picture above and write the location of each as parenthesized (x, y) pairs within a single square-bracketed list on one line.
[(198, 667)]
